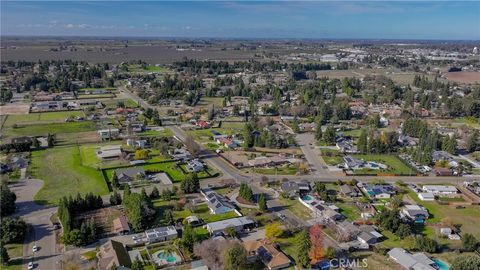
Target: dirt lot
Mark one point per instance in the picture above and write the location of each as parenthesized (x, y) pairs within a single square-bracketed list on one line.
[(14, 108), (103, 218), (463, 77)]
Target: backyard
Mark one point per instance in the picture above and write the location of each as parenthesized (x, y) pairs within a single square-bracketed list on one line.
[(395, 165), (63, 174)]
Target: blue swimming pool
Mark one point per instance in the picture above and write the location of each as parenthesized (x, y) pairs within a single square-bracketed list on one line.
[(441, 265), (307, 198)]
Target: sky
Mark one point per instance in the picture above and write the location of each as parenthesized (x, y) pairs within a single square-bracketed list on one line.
[(444, 20)]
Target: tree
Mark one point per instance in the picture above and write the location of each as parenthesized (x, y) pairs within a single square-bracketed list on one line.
[(469, 242), (4, 258), (114, 180), (472, 141), (188, 238), (190, 183), (329, 135), (425, 244), (115, 198), (211, 251), (231, 231), (330, 253), (51, 140), (466, 262), (35, 143), (316, 239), (362, 143), (126, 191), (7, 199), (235, 257), (12, 230), (141, 154), (246, 192), (295, 126), (262, 203), (192, 146), (403, 231), (318, 131), (247, 136), (302, 248), (273, 231), (155, 194), (137, 264)]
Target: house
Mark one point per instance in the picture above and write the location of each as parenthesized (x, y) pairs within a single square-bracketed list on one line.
[(417, 261), (120, 226), (293, 189), (181, 154), (161, 234), (320, 209), (426, 196), (195, 166), (239, 224), (136, 143), (108, 134), (440, 189), (202, 124), (137, 127), (113, 253), (125, 175), (193, 220), (346, 146), (442, 155), (227, 142), (267, 253), (352, 163), (439, 171), (384, 191), (216, 203), (110, 151), (348, 191), (446, 231), (366, 238), (416, 213)]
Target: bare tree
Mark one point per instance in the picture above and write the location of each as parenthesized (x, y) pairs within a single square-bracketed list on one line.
[(211, 251), (192, 146)]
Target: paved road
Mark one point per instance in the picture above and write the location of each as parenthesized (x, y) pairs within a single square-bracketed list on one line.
[(306, 141), (41, 233), (473, 162)]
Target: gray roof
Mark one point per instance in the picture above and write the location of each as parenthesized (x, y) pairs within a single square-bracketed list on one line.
[(215, 201), (233, 222), (418, 261)]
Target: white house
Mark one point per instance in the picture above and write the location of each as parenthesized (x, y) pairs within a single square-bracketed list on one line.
[(426, 196), (161, 234)]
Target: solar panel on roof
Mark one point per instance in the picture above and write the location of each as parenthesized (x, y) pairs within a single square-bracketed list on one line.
[(264, 255)]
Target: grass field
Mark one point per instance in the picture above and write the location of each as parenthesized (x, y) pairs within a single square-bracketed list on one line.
[(297, 208), (113, 102), (349, 210), (44, 129), (63, 174), (395, 165), (202, 211), (469, 216), (138, 68), (36, 118), (207, 101)]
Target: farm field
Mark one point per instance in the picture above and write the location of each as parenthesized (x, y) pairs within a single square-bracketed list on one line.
[(395, 165), (44, 129), (63, 174), (36, 118)]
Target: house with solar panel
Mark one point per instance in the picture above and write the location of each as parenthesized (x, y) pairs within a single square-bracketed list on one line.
[(267, 253), (161, 234), (383, 191), (216, 203)]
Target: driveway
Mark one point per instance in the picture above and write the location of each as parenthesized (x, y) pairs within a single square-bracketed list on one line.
[(41, 233), (306, 141)]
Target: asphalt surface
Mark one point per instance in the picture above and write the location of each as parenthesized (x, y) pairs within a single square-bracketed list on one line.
[(306, 142), (41, 232)]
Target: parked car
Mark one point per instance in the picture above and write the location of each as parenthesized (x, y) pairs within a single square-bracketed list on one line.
[(30, 266), (35, 248)]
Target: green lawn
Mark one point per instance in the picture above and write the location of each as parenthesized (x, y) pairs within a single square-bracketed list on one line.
[(44, 129), (13, 265), (202, 211), (113, 102), (395, 165), (169, 168), (297, 208), (216, 101), (153, 133), (468, 217), (349, 210), (63, 174), (36, 118)]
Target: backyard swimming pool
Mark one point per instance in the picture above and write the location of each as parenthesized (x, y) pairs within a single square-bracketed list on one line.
[(307, 198), (163, 257), (441, 265)]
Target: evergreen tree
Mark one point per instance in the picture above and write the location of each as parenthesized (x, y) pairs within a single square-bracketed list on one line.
[(362, 143), (472, 142), (262, 202), (302, 248), (318, 131), (155, 194), (329, 135), (4, 258)]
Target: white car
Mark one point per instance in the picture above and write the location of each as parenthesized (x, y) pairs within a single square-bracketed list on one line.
[(35, 248), (30, 265)]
